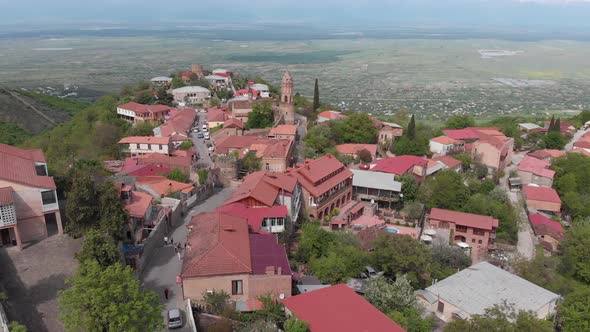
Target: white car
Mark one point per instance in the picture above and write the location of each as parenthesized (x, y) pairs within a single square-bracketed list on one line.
[(211, 148), (205, 128), (174, 319), (207, 135)]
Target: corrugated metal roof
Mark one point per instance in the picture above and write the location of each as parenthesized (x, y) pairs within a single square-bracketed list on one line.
[(375, 180)]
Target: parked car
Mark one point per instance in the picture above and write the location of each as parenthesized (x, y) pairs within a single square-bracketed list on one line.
[(174, 318), (205, 128), (364, 166), (207, 135), (200, 135), (211, 148)]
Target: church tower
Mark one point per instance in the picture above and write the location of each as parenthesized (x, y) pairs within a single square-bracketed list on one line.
[(286, 106)]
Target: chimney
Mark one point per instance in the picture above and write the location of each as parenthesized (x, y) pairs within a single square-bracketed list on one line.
[(270, 270)]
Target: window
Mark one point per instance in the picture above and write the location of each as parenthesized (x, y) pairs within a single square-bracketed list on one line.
[(441, 307), (236, 287), (267, 167), (472, 240), (461, 229), (160, 146), (48, 197), (479, 241), (478, 232), (40, 169), (149, 146)]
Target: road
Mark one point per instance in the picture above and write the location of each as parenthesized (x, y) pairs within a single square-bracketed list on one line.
[(577, 135), (526, 240), (200, 145), (164, 265)]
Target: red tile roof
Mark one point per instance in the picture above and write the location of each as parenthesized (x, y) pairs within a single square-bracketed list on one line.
[(159, 159), (547, 153), (545, 226), (449, 161), (263, 187), (271, 148), (244, 92), (145, 140), (233, 122), (18, 165), (398, 165), (445, 140), (582, 144), (541, 194), (265, 251), (180, 123), (145, 109), (339, 308), (6, 197), (564, 126), (162, 186), (322, 174), (219, 245), (464, 219), (217, 115), (352, 149), (225, 144), (461, 134), (283, 130), (139, 204), (254, 215), (536, 166), (332, 115)]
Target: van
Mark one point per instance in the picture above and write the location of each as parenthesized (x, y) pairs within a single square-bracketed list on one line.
[(174, 318), (205, 128), (206, 135)]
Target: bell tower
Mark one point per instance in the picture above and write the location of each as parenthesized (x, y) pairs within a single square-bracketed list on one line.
[(286, 106)]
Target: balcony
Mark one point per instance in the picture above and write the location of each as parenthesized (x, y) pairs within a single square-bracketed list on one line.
[(329, 199), (7, 215)]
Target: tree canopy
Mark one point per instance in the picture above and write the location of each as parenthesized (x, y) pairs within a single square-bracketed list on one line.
[(572, 182), (316, 96), (357, 128), (261, 116), (178, 175), (459, 122), (99, 247), (108, 299)]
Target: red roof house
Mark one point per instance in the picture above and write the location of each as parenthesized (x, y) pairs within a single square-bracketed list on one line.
[(542, 198), (270, 219), (549, 232), (223, 255), (338, 308), (352, 150), (330, 115), (400, 165), (449, 162), (547, 154), (533, 170), (283, 132)]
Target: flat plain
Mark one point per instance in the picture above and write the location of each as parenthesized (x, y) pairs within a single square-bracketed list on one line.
[(433, 78)]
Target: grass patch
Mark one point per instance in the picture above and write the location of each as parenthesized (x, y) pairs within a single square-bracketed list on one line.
[(12, 134), (71, 106)]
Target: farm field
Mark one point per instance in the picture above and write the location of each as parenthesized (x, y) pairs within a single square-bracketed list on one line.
[(433, 78)]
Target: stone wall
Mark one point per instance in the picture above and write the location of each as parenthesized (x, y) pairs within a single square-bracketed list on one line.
[(228, 169)]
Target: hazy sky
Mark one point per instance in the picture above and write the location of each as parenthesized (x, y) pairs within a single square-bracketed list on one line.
[(369, 13)]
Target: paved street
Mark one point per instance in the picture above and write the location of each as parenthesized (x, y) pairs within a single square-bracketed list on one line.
[(164, 266), (577, 135), (200, 145)]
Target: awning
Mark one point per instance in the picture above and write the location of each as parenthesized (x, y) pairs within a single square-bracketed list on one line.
[(461, 314)]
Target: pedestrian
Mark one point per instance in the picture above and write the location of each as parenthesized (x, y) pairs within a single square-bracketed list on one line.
[(166, 293), (185, 245), (178, 253), (171, 240), (176, 249), (165, 240)]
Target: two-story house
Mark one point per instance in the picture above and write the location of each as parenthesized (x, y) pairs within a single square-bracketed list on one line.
[(223, 255), (136, 113), (268, 219), (477, 231), (28, 202), (400, 165), (326, 184), (141, 145), (443, 145), (262, 189)]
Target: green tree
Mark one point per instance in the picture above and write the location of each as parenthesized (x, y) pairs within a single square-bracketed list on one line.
[(261, 116), (554, 140), (575, 249), (402, 255), (203, 176), (409, 187), (314, 242), (81, 208), (186, 145), (447, 260), (411, 131), (465, 159), (551, 124), (365, 156), (177, 82), (178, 175), (557, 125), (295, 325), (216, 302), (411, 320), (16, 327), (445, 190), (406, 146), (574, 312), (250, 163), (214, 102), (141, 129), (391, 296), (339, 264), (144, 97), (99, 247), (480, 170), (108, 299), (460, 122), (316, 96), (357, 128), (113, 216), (319, 138)]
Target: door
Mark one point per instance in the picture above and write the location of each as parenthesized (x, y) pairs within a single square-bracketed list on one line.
[(5, 237)]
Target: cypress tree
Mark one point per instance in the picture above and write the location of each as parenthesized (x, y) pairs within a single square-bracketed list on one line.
[(551, 124), (316, 96), (411, 133), (557, 125)]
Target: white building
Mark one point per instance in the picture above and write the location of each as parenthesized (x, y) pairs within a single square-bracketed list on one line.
[(191, 95), (262, 88), (161, 80), (443, 145), (217, 80), (140, 145)]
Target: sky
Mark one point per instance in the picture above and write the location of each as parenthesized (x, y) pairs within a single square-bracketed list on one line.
[(549, 14)]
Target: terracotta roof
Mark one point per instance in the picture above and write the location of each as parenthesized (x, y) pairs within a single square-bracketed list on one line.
[(445, 140), (271, 148), (217, 115), (397, 165), (464, 219), (339, 308), (18, 165), (564, 126), (244, 92), (242, 104), (283, 130), (163, 186), (263, 187), (541, 194), (322, 174), (233, 123), (547, 153), (461, 134), (545, 226), (6, 197), (356, 148), (144, 109), (332, 115), (139, 204), (449, 161), (582, 144), (159, 159), (225, 144), (536, 166), (265, 251), (180, 123), (254, 215), (145, 140), (219, 245)]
